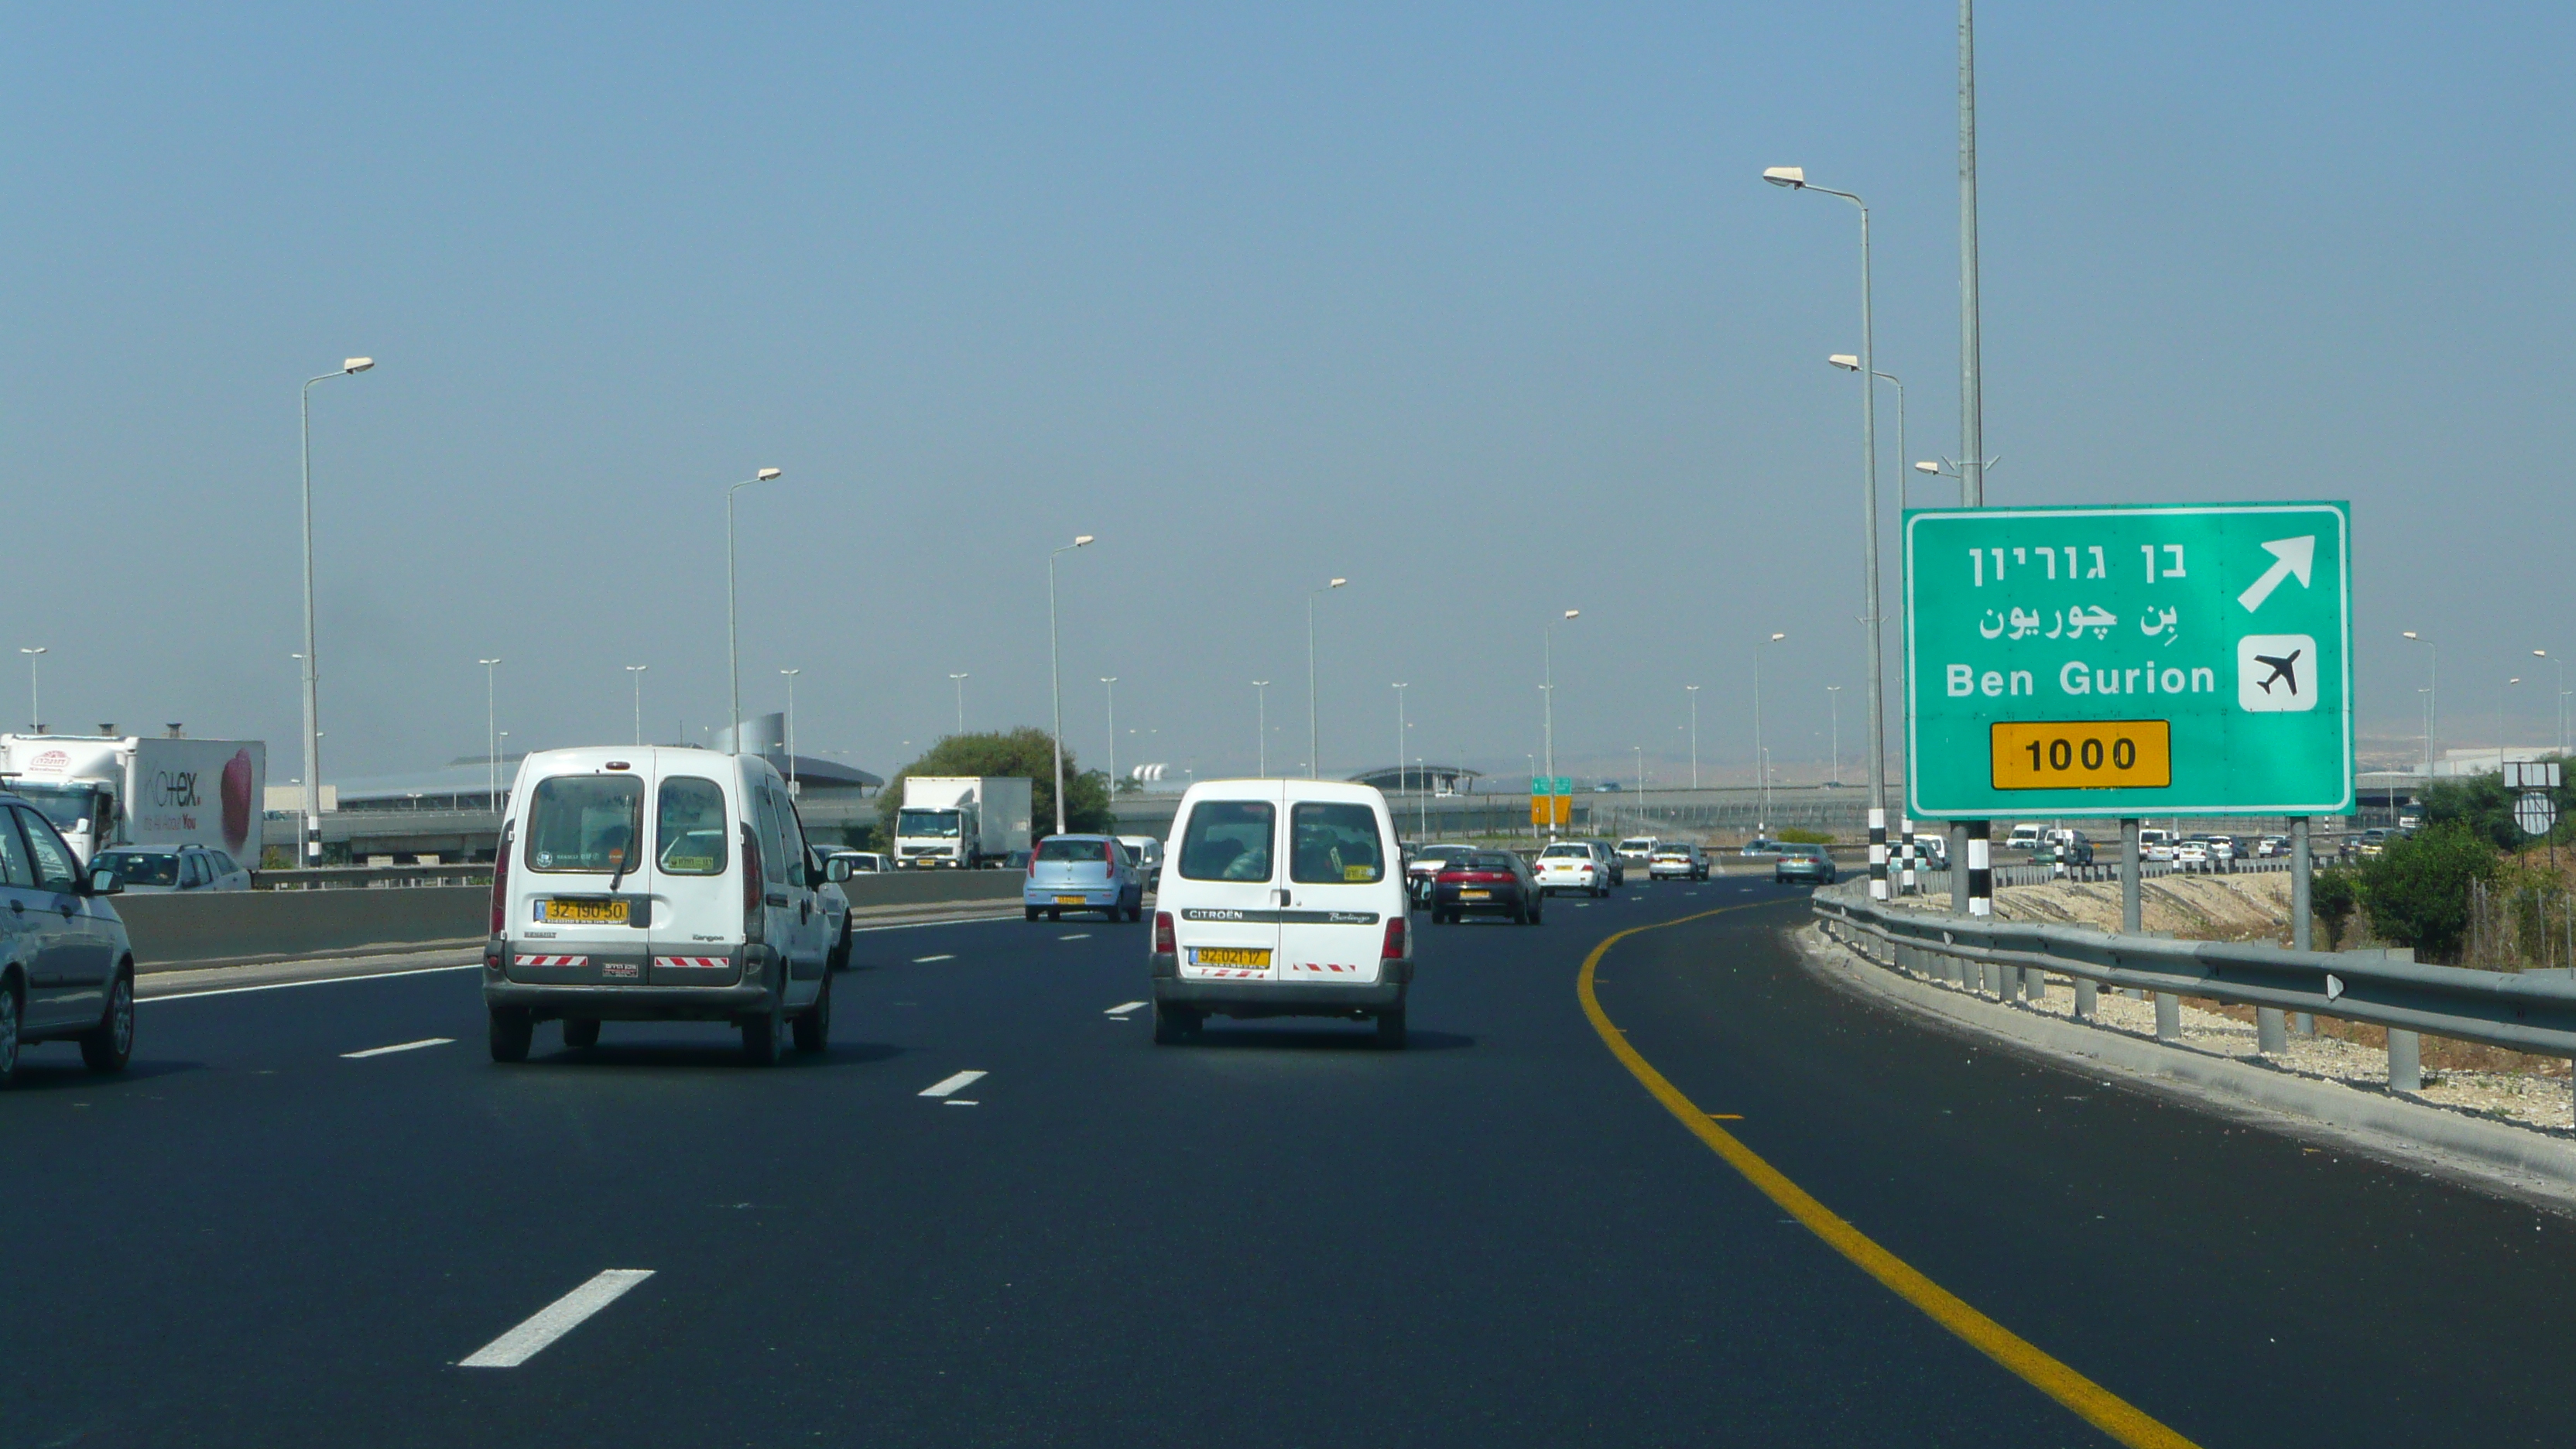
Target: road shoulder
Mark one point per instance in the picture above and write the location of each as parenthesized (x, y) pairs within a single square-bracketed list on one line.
[(2512, 1161)]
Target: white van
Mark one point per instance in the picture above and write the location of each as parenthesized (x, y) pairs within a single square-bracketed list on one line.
[(1281, 898), (656, 884), (2025, 836), (1148, 854)]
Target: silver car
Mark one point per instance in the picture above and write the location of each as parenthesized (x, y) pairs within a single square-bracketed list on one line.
[(167, 869), (1083, 873), (66, 967)]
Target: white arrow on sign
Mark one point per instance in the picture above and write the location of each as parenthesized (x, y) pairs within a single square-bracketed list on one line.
[(2289, 556)]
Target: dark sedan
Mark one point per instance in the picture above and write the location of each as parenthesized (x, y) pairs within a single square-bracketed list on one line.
[(1807, 863), (1486, 883)]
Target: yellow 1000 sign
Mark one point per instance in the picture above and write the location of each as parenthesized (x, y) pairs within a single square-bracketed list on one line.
[(2093, 754)]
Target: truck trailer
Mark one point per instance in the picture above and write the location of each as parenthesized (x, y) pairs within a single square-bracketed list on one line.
[(103, 790), (960, 822)]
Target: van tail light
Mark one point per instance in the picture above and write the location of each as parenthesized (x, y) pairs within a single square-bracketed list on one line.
[(501, 881), (1164, 943), (755, 921), (1393, 950)]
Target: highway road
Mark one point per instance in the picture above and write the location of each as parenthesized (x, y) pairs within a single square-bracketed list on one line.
[(1280, 1237)]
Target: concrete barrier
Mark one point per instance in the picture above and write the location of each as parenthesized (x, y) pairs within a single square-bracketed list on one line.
[(180, 932)]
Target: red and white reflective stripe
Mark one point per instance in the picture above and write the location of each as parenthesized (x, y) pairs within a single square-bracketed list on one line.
[(1228, 973), (697, 962), (1320, 966), (554, 960)]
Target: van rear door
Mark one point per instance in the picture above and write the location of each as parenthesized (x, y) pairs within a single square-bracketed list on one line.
[(1333, 922), (580, 889), (698, 891), (1224, 898)]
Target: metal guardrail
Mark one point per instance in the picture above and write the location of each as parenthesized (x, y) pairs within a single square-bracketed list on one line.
[(2520, 1012), (346, 877)]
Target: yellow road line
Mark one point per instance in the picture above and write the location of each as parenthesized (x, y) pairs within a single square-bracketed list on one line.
[(2090, 1401)]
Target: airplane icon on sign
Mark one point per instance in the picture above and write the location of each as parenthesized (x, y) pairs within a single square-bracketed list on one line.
[(2282, 669)]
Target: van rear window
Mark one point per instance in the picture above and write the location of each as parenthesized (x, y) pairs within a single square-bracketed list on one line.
[(585, 823), (1064, 848), (1228, 840), (691, 830), (1335, 844)]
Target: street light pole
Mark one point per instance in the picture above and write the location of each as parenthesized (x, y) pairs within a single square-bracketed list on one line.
[(491, 738), (1314, 750), (1110, 683), (1796, 179), (1692, 691), (2558, 720), (733, 629), (2500, 735), (1261, 726), (1547, 692), (312, 690), (2432, 699), (637, 672), (1400, 740), (1055, 678), (960, 681), (1761, 759), (1834, 704), (35, 704)]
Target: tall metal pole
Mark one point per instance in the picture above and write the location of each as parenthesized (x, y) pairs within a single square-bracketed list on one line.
[(491, 739), (1547, 691), (1834, 706), (960, 681), (1261, 741), (1314, 749), (791, 727), (35, 703), (1399, 740), (2432, 698), (312, 674), (1055, 680), (1972, 427), (733, 629), (637, 670)]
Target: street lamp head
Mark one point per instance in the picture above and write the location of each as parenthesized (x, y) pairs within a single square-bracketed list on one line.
[(1776, 638), (357, 364), (2410, 634), (1789, 176), (487, 662), (1927, 467), (1574, 613), (764, 475), (1082, 540), (2539, 653), (1337, 583), (1845, 361)]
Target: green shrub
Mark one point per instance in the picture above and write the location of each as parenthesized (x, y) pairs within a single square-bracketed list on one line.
[(2417, 888), (1798, 835), (2331, 896)]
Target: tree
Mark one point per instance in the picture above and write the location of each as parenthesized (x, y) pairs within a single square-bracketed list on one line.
[(2417, 887), (1025, 752), (2331, 895), (2486, 806)]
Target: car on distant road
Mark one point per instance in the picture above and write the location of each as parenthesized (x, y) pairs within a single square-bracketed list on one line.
[(1677, 861), (1148, 853), (146, 870), (1422, 868), (864, 862), (1638, 849), (1082, 873), (1487, 883), (1609, 855), (1571, 865), (1808, 863), (2223, 848), (66, 967), (1760, 845), (2190, 852), (2271, 846)]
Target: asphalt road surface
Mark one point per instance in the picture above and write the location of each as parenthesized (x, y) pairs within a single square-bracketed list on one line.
[(1281, 1236)]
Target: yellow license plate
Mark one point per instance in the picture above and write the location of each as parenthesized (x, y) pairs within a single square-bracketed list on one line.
[(1230, 956), (587, 913), (1475, 895), (1069, 900), (2083, 754)]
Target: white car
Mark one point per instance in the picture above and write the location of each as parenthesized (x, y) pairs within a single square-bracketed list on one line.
[(657, 884), (865, 862), (2025, 836), (2271, 846), (147, 870), (2190, 852), (1638, 849), (1281, 898), (1147, 852), (1423, 867), (1571, 865)]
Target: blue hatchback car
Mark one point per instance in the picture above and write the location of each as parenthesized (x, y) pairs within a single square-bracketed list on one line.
[(1083, 873)]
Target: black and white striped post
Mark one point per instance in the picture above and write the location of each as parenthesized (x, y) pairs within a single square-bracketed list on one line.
[(1877, 853), (1905, 855)]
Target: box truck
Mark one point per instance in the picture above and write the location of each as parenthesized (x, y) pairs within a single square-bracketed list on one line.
[(103, 790), (960, 821)]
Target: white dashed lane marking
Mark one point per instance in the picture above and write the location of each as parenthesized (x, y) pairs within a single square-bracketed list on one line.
[(951, 1085), (1076, 936), (1124, 1008), (926, 960), (556, 1319), (403, 1046)]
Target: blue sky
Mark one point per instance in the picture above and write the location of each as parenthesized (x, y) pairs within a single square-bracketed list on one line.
[(1483, 307)]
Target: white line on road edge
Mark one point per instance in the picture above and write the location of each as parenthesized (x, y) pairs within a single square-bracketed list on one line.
[(407, 1046), (315, 981), (1122, 1010), (1077, 936), (556, 1319), (926, 960), (946, 1085)]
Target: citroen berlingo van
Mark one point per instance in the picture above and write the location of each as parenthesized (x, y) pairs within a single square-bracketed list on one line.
[(1281, 898), (656, 884)]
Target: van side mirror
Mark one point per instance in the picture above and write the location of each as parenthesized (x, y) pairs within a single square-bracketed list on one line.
[(837, 869), (103, 882)]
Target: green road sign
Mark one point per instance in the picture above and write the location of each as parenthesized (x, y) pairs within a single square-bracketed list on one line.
[(1551, 785), (2183, 660)]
